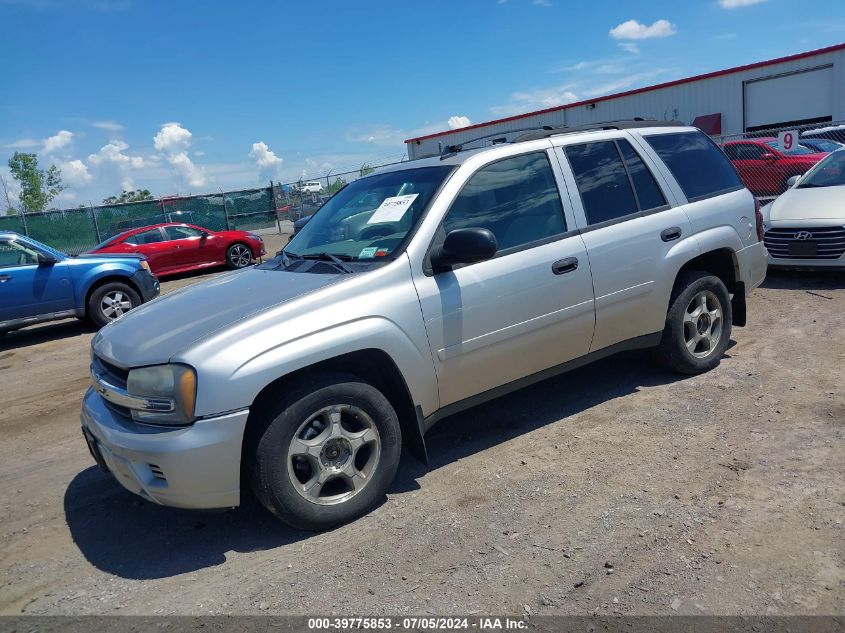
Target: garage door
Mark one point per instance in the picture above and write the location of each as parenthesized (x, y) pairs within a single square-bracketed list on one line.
[(787, 98)]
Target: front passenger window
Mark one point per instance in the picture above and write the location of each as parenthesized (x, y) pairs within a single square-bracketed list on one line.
[(515, 198), (13, 253)]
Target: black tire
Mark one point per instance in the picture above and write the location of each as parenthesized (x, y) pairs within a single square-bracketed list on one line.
[(270, 435), (98, 313), (682, 328), (234, 258)]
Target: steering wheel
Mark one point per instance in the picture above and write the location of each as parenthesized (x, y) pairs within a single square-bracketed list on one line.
[(372, 232)]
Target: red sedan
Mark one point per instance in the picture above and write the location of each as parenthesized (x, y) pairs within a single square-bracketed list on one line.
[(173, 248), (765, 167)]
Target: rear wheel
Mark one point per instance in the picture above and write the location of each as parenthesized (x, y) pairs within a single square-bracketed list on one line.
[(238, 256), (698, 324), (325, 453), (111, 301)]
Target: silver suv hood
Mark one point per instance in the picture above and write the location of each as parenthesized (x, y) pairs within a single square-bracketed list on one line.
[(154, 332)]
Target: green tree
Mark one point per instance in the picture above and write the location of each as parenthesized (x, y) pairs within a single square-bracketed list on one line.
[(38, 187), (366, 169), (337, 185), (129, 196)]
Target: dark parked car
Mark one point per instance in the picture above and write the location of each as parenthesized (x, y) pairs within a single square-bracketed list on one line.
[(821, 144), (831, 132)]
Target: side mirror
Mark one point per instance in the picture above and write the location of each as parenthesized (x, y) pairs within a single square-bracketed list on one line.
[(769, 156), (464, 246), (204, 235), (793, 180), (46, 260)]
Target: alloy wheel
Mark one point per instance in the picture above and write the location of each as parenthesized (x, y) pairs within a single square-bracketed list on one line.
[(240, 256), (703, 324), (333, 454), (114, 304)]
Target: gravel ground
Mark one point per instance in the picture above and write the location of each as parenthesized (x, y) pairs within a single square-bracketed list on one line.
[(617, 488)]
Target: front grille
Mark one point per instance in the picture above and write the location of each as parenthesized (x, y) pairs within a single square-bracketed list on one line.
[(830, 241), (110, 373), (113, 375)]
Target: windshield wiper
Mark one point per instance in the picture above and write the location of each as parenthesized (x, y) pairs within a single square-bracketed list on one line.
[(329, 257)]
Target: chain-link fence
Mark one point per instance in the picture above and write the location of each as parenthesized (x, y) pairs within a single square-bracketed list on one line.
[(77, 230), (767, 159)]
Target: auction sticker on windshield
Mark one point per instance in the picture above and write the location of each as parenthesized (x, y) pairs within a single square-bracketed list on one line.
[(392, 209)]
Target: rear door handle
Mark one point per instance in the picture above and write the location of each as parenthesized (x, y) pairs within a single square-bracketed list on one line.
[(670, 234), (4, 278), (567, 265)]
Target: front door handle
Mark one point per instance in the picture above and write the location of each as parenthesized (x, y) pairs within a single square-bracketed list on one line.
[(567, 265), (670, 234), (4, 278)]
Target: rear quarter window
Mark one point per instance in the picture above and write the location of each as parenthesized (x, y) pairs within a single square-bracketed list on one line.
[(698, 165)]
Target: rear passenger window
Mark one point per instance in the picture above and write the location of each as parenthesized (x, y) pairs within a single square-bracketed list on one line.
[(647, 192), (147, 237), (516, 199), (602, 181), (697, 164)]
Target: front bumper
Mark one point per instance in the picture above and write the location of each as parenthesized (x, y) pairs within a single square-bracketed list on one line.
[(807, 264), (147, 284), (197, 466)]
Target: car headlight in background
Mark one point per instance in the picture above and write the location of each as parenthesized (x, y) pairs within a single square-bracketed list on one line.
[(174, 383), (255, 237)]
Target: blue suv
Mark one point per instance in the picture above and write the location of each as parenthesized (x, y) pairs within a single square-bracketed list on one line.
[(39, 283)]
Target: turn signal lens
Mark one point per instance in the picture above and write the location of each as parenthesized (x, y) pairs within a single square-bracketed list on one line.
[(145, 265)]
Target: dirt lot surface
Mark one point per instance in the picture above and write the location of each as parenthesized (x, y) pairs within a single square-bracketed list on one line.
[(617, 488)]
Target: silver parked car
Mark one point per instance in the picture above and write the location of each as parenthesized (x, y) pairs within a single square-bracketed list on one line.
[(805, 226), (416, 292)]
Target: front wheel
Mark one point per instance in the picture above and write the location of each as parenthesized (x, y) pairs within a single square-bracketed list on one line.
[(238, 256), (111, 301), (325, 453), (698, 324)]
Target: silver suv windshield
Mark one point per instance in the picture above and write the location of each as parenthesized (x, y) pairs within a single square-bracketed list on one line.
[(369, 219)]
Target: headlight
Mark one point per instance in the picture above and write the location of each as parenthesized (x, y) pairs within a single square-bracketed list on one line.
[(255, 237), (174, 383)]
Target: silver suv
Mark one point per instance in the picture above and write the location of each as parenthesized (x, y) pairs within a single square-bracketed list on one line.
[(416, 292)]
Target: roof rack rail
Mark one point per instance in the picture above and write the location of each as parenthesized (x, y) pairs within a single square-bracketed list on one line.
[(450, 150), (624, 124)]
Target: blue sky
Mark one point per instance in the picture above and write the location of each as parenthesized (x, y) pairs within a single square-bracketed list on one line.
[(188, 96)]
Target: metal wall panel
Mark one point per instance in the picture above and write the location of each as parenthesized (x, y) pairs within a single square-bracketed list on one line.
[(683, 102)]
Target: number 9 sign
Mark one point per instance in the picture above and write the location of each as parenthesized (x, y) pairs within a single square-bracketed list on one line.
[(787, 140)]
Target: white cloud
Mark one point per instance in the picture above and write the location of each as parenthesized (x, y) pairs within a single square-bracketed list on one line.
[(542, 3), (23, 143), (110, 126), (60, 140), (172, 138), (631, 47), (75, 173), (522, 102), (456, 122), (115, 168), (734, 4), (173, 141), (269, 165), (112, 153), (633, 30)]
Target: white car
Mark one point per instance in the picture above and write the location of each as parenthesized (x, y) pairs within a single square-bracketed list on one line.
[(314, 186), (805, 226)]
